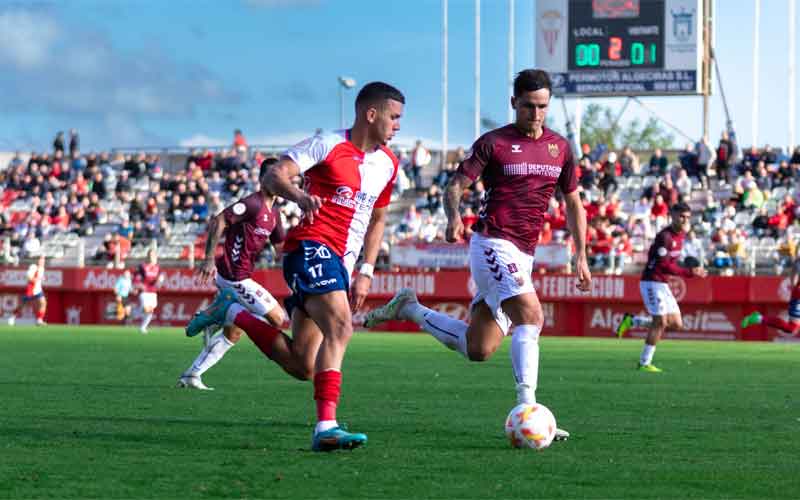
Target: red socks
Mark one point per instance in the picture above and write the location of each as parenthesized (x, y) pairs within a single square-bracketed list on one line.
[(780, 324), (262, 334), (39, 315), (327, 387)]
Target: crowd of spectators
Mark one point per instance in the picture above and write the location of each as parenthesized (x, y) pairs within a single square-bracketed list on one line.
[(626, 197), (736, 199)]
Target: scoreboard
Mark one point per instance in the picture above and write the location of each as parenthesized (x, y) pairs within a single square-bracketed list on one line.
[(621, 47)]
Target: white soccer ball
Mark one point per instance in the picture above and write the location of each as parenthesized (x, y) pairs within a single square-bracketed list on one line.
[(530, 426)]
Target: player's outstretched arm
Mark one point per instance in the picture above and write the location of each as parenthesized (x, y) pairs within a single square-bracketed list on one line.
[(278, 180), (452, 201), (372, 244), (576, 220), (216, 228)]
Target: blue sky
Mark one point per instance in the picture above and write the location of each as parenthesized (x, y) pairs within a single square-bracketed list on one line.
[(180, 72)]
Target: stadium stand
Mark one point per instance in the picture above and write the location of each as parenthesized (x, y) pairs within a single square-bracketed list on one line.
[(109, 208)]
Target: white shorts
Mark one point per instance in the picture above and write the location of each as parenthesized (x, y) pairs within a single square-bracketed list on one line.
[(148, 300), (658, 298), (500, 271), (252, 296)]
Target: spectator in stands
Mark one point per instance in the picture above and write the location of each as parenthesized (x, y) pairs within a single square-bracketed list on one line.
[(469, 218), (787, 253), (608, 175), (200, 209), (629, 162), (693, 253), (587, 173), (721, 258), (74, 143), (599, 242), (659, 211), (705, 157), (434, 200), (762, 177), (784, 176), (81, 223), (429, 230), (768, 155), (795, 159), (58, 142), (688, 160), (239, 142), (683, 184), (761, 225), (658, 163), (420, 158), (410, 224), (61, 220), (99, 186), (545, 235), (737, 250), (621, 251), (724, 158)]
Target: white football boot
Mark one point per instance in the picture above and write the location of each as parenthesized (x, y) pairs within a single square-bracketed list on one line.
[(192, 382), (391, 309)]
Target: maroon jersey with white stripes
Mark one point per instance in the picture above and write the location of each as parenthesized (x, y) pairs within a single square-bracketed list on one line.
[(520, 175), (662, 259), (147, 277), (250, 224)]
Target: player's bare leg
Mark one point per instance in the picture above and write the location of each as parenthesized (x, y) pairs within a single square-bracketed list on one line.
[(660, 324), (331, 312), (41, 309)]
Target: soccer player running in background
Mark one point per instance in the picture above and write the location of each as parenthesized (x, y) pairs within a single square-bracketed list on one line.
[(146, 280), (662, 262), (122, 288), (248, 226), (792, 326), (348, 179), (521, 165), (33, 293)]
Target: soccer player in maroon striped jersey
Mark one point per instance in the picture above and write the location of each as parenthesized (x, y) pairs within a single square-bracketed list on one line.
[(146, 280), (521, 165), (662, 262), (248, 225)]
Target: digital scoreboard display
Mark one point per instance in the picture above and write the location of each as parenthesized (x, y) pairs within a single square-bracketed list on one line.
[(616, 34), (620, 47)]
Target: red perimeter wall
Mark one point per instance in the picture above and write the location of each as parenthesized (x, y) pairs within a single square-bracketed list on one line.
[(712, 307)]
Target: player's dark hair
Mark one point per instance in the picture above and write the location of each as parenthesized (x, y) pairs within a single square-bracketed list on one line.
[(265, 166), (375, 93), (531, 80), (680, 208)]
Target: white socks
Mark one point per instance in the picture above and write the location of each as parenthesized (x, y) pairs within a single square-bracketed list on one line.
[(647, 354), (324, 425), (210, 355), (642, 321), (449, 331), (525, 361), (146, 319)]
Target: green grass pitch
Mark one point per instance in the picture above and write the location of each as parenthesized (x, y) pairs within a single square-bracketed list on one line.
[(92, 412)]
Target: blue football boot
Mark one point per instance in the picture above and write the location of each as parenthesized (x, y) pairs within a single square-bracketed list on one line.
[(214, 314), (337, 439)]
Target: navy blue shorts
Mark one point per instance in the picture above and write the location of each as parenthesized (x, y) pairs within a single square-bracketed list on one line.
[(794, 309), (28, 298), (313, 269)]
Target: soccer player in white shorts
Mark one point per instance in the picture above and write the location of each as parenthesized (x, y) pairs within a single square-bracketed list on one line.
[(521, 165), (662, 262), (248, 225)]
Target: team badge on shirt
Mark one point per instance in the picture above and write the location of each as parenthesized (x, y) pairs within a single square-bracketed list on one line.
[(515, 148), (553, 150)]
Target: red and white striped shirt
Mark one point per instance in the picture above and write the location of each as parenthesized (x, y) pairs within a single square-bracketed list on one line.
[(350, 183)]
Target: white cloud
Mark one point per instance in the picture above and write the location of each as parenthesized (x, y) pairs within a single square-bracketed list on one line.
[(26, 39), (57, 69)]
